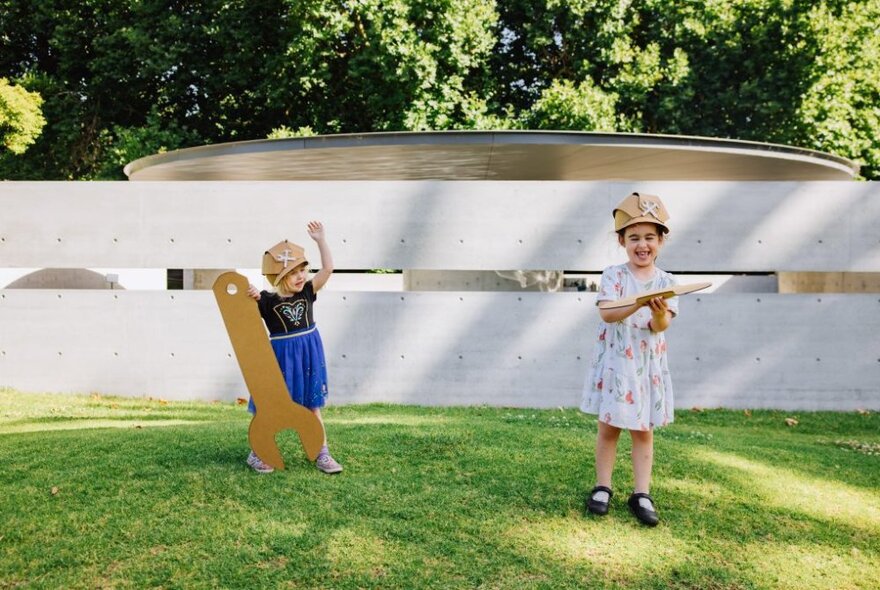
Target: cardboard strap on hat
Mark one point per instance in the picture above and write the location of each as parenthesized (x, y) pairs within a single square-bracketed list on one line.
[(275, 411)]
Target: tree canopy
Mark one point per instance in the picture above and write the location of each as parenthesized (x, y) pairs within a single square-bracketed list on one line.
[(121, 80), (21, 119)]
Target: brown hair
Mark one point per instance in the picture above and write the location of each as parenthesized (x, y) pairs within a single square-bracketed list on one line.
[(661, 231)]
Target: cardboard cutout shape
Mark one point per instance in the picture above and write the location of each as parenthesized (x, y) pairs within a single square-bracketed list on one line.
[(643, 298), (640, 208), (280, 259), (262, 375)]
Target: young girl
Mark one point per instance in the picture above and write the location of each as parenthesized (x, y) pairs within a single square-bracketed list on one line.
[(292, 331), (629, 386)]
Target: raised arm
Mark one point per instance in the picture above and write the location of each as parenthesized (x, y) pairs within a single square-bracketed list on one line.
[(316, 232)]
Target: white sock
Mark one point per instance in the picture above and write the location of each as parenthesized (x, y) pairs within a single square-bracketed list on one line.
[(646, 504), (601, 496)]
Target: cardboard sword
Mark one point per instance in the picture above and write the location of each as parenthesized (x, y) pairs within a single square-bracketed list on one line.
[(643, 298)]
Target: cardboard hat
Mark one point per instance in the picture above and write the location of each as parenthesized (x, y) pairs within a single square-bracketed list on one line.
[(638, 208), (282, 258)]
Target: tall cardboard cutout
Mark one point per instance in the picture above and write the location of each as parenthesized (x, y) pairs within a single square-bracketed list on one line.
[(262, 375)]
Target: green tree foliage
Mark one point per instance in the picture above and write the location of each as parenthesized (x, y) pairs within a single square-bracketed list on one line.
[(566, 106), (840, 110), (285, 132), (21, 119), (124, 79), (799, 72), (380, 65)]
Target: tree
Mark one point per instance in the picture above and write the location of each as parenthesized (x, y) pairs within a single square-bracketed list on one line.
[(840, 110), (21, 119), (379, 65), (224, 70), (119, 79), (798, 72), (566, 106)]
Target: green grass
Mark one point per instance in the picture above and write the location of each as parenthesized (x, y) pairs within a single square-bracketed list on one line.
[(121, 493)]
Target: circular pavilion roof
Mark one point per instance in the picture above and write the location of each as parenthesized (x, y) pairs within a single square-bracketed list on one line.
[(493, 155)]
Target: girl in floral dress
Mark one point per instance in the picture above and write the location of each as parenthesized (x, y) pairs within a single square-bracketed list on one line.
[(629, 387)]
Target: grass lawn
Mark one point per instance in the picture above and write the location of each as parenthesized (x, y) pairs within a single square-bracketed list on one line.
[(100, 492)]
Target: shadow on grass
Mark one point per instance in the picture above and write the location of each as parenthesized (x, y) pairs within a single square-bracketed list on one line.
[(435, 498)]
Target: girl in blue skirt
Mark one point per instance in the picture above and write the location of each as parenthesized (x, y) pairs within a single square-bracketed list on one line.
[(287, 313)]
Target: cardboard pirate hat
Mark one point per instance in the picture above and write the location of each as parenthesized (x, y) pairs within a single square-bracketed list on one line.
[(639, 208), (280, 259)]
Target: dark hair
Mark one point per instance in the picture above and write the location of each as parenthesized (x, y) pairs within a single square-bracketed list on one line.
[(662, 231)]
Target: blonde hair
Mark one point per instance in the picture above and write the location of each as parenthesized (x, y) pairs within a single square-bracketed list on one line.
[(281, 287)]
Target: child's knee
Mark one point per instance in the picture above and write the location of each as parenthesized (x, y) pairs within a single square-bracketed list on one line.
[(642, 437), (608, 433)]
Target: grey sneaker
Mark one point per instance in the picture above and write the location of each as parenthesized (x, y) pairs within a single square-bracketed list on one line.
[(257, 464), (327, 464)]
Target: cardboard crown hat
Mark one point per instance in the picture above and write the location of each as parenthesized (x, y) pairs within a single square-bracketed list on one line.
[(639, 208), (280, 259)]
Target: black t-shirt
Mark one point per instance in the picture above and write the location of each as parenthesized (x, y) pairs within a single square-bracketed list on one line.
[(286, 314)]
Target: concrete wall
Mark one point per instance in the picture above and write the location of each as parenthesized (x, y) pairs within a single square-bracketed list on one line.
[(499, 348), (716, 226)]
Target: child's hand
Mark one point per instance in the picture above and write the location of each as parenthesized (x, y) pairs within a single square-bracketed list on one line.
[(660, 314), (658, 307), (253, 293), (316, 230)]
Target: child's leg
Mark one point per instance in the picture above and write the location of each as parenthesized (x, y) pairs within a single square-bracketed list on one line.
[(606, 451), (317, 413), (325, 462), (642, 458), (640, 503), (599, 498)]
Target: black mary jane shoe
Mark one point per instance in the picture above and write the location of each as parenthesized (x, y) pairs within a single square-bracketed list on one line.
[(595, 506), (646, 516)]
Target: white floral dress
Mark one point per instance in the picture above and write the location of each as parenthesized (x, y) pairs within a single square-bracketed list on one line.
[(629, 385)]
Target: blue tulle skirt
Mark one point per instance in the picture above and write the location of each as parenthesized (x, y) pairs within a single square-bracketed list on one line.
[(300, 355)]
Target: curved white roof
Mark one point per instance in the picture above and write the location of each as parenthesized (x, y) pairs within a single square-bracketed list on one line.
[(493, 155)]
